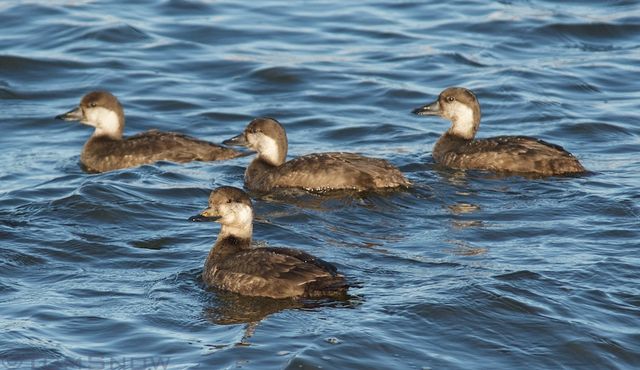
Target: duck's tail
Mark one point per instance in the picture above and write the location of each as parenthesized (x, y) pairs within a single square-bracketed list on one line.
[(335, 286)]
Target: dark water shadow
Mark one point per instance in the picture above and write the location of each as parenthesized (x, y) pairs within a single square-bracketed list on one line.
[(228, 308), (454, 175), (325, 200)]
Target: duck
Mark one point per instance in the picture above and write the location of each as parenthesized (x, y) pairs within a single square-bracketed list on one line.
[(107, 149), (457, 147), (317, 172), (234, 265)]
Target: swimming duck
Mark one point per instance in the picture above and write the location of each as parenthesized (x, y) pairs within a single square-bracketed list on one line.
[(312, 172), (234, 265), (107, 150), (457, 147)]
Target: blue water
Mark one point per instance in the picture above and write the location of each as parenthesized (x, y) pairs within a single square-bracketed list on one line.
[(464, 270)]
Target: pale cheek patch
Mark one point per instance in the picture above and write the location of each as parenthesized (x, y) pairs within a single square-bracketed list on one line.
[(236, 214), (463, 120), (268, 148), (104, 120), (253, 141)]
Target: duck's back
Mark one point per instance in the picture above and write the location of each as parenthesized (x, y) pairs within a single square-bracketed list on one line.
[(327, 171), (275, 273), (520, 154), (102, 154)]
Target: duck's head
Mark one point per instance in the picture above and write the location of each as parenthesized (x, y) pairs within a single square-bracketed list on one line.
[(267, 137), (101, 110), (230, 207), (460, 106)]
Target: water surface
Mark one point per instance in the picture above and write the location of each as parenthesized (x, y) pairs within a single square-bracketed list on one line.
[(464, 270)]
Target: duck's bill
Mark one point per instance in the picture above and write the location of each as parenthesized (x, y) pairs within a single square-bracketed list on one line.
[(73, 115), (203, 218), (239, 140), (432, 109)]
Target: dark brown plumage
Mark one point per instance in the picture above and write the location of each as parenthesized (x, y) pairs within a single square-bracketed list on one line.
[(457, 147), (234, 265), (316, 172), (107, 150), (102, 153)]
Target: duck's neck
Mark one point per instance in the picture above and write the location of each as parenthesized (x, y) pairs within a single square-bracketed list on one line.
[(258, 174), (104, 134), (233, 238), (96, 139), (447, 143), (239, 232), (108, 123), (229, 242), (463, 129)]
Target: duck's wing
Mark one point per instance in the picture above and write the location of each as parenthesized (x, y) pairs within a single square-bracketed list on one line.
[(514, 154), (102, 154), (324, 171), (175, 147), (274, 272), (514, 144)]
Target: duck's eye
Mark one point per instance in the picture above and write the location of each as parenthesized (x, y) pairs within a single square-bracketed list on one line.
[(229, 201), (93, 104), (450, 99)]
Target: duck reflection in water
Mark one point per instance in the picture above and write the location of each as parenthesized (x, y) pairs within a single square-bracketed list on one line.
[(228, 308)]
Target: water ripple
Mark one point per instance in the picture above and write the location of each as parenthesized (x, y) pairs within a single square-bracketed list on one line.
[(447, 274)]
